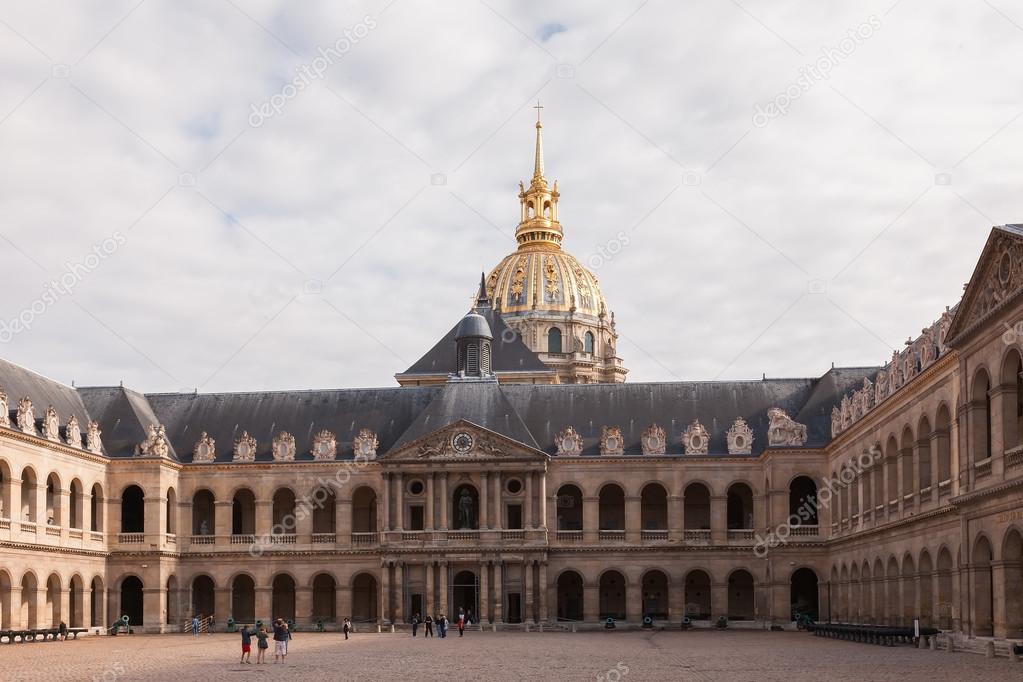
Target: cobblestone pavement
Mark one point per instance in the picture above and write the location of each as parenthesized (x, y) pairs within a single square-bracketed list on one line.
[(609, 656)]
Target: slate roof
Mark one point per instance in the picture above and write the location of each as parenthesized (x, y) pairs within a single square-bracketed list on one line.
[(19, 382)]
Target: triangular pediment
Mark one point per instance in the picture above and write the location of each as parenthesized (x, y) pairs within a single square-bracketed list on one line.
[(463, 441), (997, 279)]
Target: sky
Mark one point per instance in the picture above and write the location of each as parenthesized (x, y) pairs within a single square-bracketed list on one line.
[(231, 195)]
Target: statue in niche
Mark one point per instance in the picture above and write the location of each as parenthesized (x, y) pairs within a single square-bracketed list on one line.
[(466, 517)]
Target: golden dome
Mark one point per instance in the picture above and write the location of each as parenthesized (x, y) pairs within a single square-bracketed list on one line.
[(545, 280)]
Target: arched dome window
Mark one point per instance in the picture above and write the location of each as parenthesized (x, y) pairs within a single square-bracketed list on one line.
[(554, 340), (588, 343)]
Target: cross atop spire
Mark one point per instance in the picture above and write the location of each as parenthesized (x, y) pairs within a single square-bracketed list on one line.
[(538, 222), (538, 163), (538, 107)]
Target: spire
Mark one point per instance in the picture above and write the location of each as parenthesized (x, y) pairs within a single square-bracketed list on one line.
[(482, 299), (538, 164)]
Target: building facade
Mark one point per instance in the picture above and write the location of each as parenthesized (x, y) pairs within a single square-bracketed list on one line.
[(531, 485)]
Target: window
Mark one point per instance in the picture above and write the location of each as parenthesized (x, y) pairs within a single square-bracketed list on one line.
[(554, 340), (588, 343), (514, 517), (415, 517)]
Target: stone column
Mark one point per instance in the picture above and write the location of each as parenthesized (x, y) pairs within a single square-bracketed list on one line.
[(1000, 582), (527, 574), (399, 507), (444, 505), (430, 596), (718, 599), (591, 603), (1003, 426), (14, 512), (442, 582), (545, 589), (223, 511), (430, 503), (384, 612), (527, 510), (675, 523), (64, 595), (86, 614), (303, 605), (264, 518), (154, 609), (591, 519), (498, 592), (222, 605), (719, 519), (676, 599), (343, 521), (399, 592), (633, 520), (343, 602), (264, 604), (385, 517), (497, 520), (633, 601), (541, 499), (936, 440), (484, 614), (484, 520)]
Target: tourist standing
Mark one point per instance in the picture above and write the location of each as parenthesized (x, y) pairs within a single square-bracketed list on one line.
[(61, 632), (195, 626), (280, 640), (429, 626), (415, 624), (461, 622), (346, 627), (246, 645), (262, 645)]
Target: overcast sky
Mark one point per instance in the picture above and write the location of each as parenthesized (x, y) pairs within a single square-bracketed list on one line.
[(231, 210)]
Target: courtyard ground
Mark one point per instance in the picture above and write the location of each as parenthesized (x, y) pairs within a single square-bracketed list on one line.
[(611, 656)]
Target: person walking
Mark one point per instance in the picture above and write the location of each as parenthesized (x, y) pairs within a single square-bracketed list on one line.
[(280, 640), (415, 624), (429, 626), (262, 644), (346, 627), (195, 626), (461, 622), (246, 645)]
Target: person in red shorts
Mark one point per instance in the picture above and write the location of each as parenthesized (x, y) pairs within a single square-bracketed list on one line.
[(246, 645)]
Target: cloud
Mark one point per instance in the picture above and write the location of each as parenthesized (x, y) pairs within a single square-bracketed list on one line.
[(317, 249)]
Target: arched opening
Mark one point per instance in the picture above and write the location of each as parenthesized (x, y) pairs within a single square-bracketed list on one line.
[(283, 600), (131, 600), (1012, 596), (696, 507), (96, 509), (570, 596), (588, 340), (741, 596), (171, 517), (980, 416), (612, 595), (1012, 404), (923, 445), (554, 340), (943, 448), (6, 593), (28, 496), (926, 590), (285, 521), (243, 512), (76, 506), (570, 508), (983, 594), (133, 510), (906, 453), (655, 595), (465, 594), (364, 598), (203, 603), (324, 503), (612, 507), (29, 590), (945, 585), (465, 505), (803, 500), (803, 594), (740, 506), (908, 590), (54, 511), (243, 599), (891, 470), (76, 602), (364, 511), (697, 595), (324, 601), (203, 511), (893, 593), (97, 596), (53, 612), (653, 507)]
